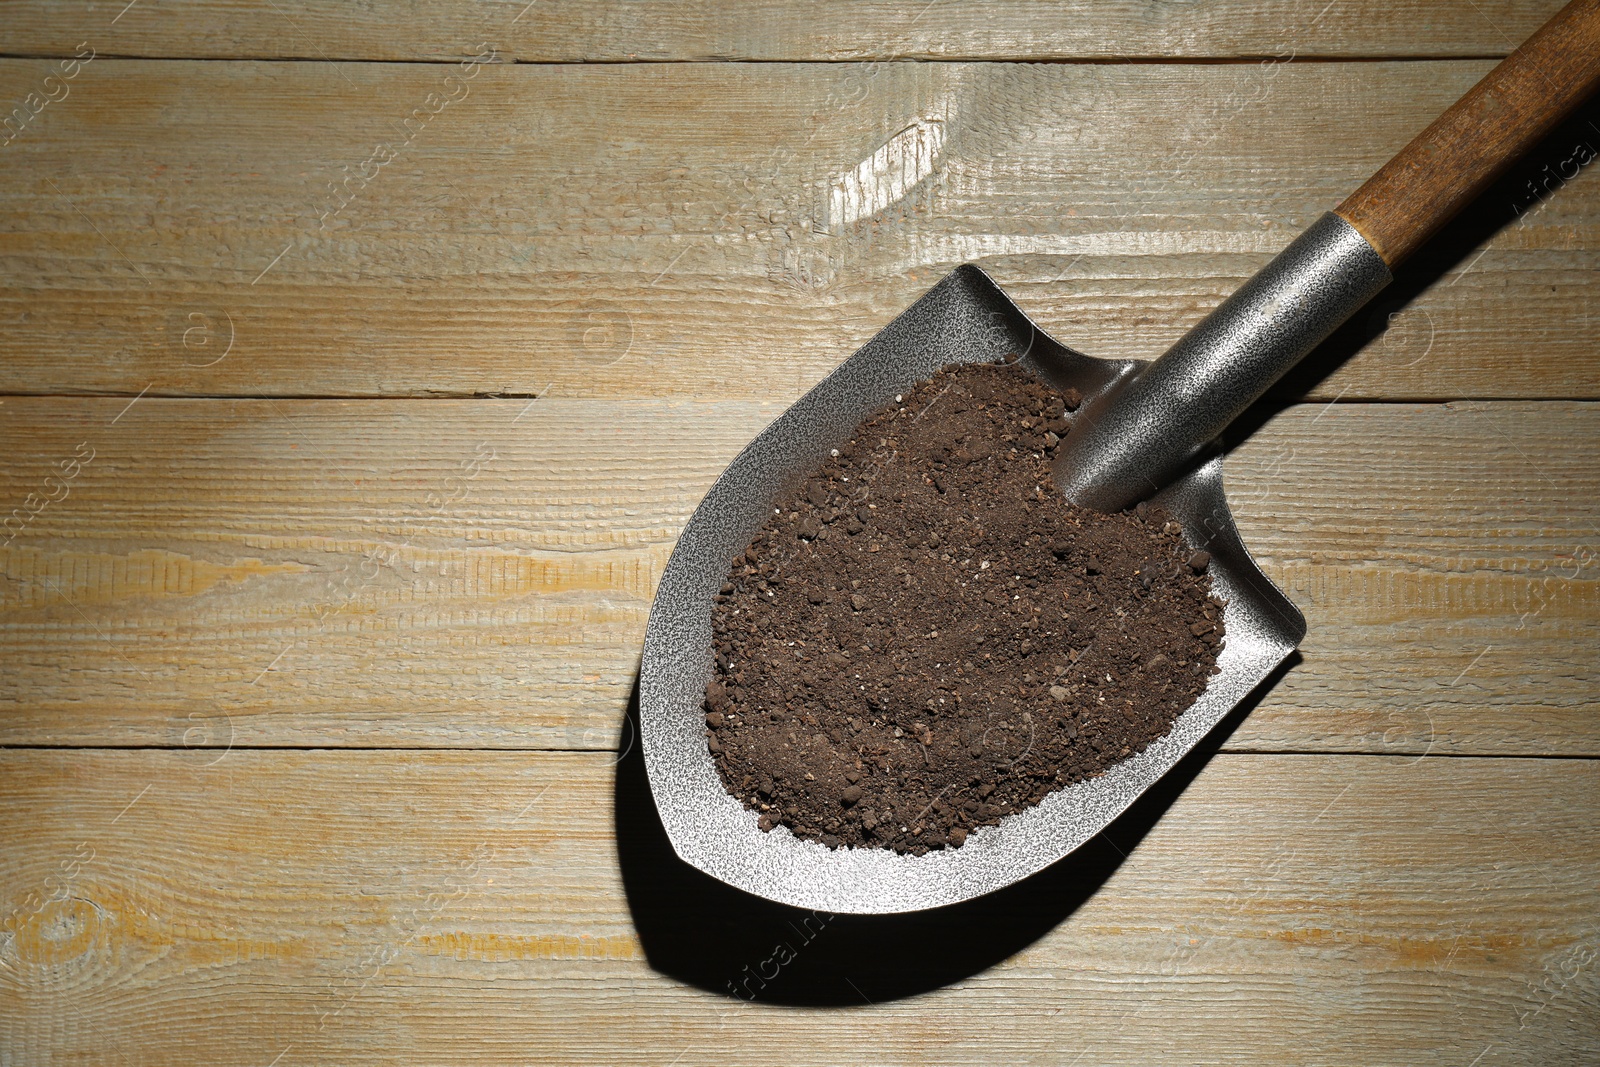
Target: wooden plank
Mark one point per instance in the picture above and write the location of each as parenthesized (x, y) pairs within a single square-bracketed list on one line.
[(773, 29), (730, 230), (1447, 568), (470, 908), (465, 573)]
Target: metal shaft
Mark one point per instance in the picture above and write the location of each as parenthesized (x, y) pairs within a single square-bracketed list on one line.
[(1132, 442)]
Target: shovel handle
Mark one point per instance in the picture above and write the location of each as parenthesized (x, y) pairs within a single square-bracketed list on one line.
[(1466, 148), (1139, 435)]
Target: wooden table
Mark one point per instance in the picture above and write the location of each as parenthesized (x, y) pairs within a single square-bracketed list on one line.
[(357, 379)]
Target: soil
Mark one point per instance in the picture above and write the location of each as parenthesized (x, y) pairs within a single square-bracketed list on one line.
[(927, 637)]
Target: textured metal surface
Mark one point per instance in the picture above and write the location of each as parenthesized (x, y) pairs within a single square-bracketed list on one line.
[(965, 318), (1155, 424)]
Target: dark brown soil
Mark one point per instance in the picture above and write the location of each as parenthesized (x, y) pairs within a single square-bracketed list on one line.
[(926, 637)]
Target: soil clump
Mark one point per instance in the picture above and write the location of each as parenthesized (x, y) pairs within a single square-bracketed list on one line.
[(927, 637)]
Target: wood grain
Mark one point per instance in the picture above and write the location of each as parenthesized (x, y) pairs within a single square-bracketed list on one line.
[(464, 573), (270, 617), (373, 907), (772, 29), (709, 230), (1447, 165)]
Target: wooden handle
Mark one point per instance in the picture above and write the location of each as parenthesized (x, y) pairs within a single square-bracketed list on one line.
[(1466, 148)]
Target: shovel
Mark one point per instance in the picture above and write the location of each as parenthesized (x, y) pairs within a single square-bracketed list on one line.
[(1145, 430)]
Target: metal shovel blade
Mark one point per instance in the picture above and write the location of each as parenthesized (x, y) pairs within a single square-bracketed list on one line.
[(963, 319)]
